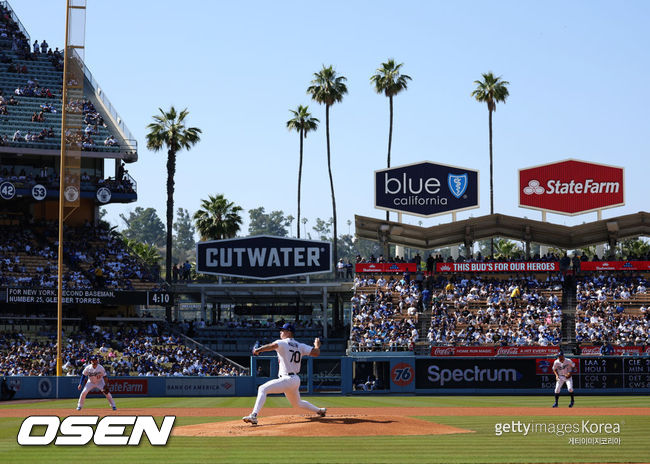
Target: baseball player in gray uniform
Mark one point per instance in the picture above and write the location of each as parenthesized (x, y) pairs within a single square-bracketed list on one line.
[(290, 353), (94, 377), (563, 369)]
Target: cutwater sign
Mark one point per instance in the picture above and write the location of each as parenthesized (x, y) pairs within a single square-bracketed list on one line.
[(263, 257), (426, 189)]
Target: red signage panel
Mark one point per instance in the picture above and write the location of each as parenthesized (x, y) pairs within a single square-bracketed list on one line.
[(494, 351), (615, 266), (127, 387), (385, 267), (509, 266), (571, 187), (591, 350)]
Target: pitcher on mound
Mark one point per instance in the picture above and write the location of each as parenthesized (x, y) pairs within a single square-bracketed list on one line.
[(290, 353)]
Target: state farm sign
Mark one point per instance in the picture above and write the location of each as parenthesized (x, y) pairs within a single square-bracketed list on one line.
[(571, 187)]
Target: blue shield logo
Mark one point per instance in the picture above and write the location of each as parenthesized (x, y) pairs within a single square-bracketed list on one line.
[(457, 184)]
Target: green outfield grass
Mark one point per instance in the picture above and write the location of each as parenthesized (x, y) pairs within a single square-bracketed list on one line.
[(481, 446)]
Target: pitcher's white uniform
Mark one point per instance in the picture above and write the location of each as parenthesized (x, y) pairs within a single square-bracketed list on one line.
[(95, 375), (562, 368), (290, 353)]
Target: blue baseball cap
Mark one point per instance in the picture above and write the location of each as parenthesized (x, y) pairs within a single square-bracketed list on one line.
[(288, 327), (560, 353)]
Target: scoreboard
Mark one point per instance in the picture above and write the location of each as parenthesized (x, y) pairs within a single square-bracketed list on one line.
[(600, 373), (605, 373)]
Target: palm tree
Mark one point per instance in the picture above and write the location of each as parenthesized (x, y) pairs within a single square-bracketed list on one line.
[(304, 225), (168, 130), (218, 218), (302, 122), (491, 90), (506, 248), (328, 88), (390, 82)]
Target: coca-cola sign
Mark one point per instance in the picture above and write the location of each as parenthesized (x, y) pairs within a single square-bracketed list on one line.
[(494, 351), (571, 187), (591, 350)]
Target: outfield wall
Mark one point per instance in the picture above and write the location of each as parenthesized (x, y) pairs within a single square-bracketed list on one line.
[(403, 374)]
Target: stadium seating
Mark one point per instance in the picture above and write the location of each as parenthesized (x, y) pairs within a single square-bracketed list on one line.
[(613, 308), (136, 349)]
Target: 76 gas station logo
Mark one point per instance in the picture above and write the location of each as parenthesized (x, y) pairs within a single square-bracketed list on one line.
[(402, 374)]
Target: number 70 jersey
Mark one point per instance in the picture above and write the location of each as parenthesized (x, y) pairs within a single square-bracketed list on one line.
[(290, 353)]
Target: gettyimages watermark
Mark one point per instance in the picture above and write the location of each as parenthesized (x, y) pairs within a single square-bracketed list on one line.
[(592, 432), (79, 430)]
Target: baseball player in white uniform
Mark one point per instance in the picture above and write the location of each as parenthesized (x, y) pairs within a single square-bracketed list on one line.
[(290, 353), (563, 369), (94, 376)]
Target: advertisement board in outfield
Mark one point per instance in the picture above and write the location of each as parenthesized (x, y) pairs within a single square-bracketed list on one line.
[(571, 187), (592, 350), (426, 189), (547, 266), (494, 350), (615, 266), (385, 267), (263, 257)]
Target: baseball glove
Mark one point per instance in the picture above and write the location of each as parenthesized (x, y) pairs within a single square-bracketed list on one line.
[(568, 376), (106, 391)]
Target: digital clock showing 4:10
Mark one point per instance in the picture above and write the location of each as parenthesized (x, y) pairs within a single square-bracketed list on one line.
[(160, 298)]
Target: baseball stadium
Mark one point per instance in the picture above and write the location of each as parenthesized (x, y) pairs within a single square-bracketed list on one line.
[(492, 338)]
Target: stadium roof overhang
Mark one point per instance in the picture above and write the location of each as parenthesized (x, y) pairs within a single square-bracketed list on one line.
[(499, 225), (272, 292)]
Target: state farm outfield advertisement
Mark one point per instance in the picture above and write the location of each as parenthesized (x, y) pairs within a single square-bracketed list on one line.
[(126, 387), (550, 266), (571, 187)]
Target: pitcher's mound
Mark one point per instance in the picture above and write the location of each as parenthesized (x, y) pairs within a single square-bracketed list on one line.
[(313, 426)]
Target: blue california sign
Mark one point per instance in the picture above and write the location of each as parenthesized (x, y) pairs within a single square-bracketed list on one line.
[(426, 189)]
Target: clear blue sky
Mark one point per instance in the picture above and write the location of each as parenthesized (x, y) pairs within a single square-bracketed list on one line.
[(578, 72)]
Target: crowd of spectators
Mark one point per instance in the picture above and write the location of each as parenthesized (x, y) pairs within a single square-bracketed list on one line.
[(20, 49), (385, 319), (94, 258), (137, 350), (606, 309), (480, 311)]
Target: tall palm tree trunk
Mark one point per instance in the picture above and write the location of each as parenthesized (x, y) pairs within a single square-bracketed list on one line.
[(299, 180), (171, 171), (390, 138), (329, 168), (491, 180)]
